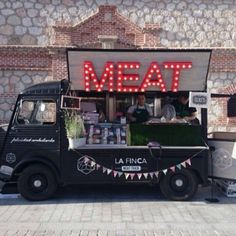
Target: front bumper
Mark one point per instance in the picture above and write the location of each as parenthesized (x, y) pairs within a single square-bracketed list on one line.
[(5, 172), (4, 177)]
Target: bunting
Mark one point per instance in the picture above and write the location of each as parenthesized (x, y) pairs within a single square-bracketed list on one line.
[(139, 175), (92, 163), (145, 175), (108, 171), (178, 166), (115, 173), (156, 174), (188, 162), (183, 164), (132, 175), (164, 171), (126, 175), (151, 175), (120, 174)]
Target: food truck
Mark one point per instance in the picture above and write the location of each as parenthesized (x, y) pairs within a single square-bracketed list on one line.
[(76, 131)]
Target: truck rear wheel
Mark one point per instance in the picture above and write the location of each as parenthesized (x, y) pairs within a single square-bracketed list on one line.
[(37, 183), (180, 185)]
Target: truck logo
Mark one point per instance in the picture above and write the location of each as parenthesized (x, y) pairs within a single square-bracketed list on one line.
[(10, 158), (84, 166), (130, 161), (131, 164), (222, 158)]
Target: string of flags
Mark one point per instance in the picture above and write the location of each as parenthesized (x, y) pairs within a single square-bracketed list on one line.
[(132, 175)]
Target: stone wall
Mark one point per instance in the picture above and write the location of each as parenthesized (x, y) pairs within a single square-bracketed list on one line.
[(14, 82), (189, 23)]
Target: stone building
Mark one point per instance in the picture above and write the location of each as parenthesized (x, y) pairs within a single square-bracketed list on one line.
[(35, 33)]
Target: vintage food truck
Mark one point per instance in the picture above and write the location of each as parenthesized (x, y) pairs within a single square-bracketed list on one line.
[(36, 151)]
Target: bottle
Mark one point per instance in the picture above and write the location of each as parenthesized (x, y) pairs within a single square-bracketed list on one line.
[(118, 138)]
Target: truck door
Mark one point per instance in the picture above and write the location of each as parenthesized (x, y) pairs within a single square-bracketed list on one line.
[(34, 131)]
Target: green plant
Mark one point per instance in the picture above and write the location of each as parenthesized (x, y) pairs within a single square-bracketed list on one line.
[(74, 125)]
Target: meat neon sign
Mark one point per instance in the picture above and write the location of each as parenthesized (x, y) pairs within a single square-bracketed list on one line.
[(117, 75)]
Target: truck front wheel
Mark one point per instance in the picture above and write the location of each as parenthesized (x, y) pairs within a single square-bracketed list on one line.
[(180, 185), (37, 183)]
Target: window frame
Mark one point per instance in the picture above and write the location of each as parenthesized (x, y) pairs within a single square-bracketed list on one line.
[(35, 100)]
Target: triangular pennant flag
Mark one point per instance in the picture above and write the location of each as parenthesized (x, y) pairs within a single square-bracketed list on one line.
[(151, 174), (120, 173), (109, 171), (183, 164), (104, 169), (164, 171), (145, 175), (115, 173), (188, 161), (132, 176), (156, 174), (139, 175), (92, 163), (126, 175), (179, 166), (172, 168), (98, 166)]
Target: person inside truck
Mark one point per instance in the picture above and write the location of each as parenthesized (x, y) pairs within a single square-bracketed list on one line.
[(140, 112), (182, 109)]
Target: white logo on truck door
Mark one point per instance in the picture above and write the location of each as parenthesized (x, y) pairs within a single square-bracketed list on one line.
[(10, 158), (85, 166), (130, 164)]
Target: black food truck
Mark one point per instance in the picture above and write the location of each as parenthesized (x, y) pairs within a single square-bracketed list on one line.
[(76, 131)]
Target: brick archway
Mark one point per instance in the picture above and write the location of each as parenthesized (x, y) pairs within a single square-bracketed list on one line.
[(107, 21)]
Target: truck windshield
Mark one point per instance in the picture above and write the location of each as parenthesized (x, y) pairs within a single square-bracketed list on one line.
[(36, 112)]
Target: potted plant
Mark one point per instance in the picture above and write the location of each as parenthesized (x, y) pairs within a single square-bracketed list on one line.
[(75, 129)]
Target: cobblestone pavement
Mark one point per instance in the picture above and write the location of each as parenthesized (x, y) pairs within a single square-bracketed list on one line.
[(117, 210)]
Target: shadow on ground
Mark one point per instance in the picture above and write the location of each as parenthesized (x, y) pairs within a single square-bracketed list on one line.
[(114, 193)]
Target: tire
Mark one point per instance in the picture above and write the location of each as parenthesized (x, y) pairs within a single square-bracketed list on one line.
[(37, 183), (180, 185)]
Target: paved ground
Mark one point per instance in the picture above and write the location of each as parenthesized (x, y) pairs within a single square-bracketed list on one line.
[(136, 210)]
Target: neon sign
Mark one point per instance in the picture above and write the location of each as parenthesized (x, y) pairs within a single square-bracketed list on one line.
[(117, 74)]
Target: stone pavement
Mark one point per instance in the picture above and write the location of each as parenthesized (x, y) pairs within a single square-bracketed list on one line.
[(117, 210)]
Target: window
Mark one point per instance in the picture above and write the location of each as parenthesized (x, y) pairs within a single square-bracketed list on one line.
[(231, 107), (37, 112)]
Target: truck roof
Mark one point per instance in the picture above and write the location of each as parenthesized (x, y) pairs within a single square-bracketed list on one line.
[(51, 87)]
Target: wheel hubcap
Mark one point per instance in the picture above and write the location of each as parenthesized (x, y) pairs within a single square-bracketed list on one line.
[(37, 183), (179, 182)]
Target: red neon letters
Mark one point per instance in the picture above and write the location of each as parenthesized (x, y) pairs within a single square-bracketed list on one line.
[(176, 67), (152, 78), (89, 74), (148, 81), (121, 66)]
